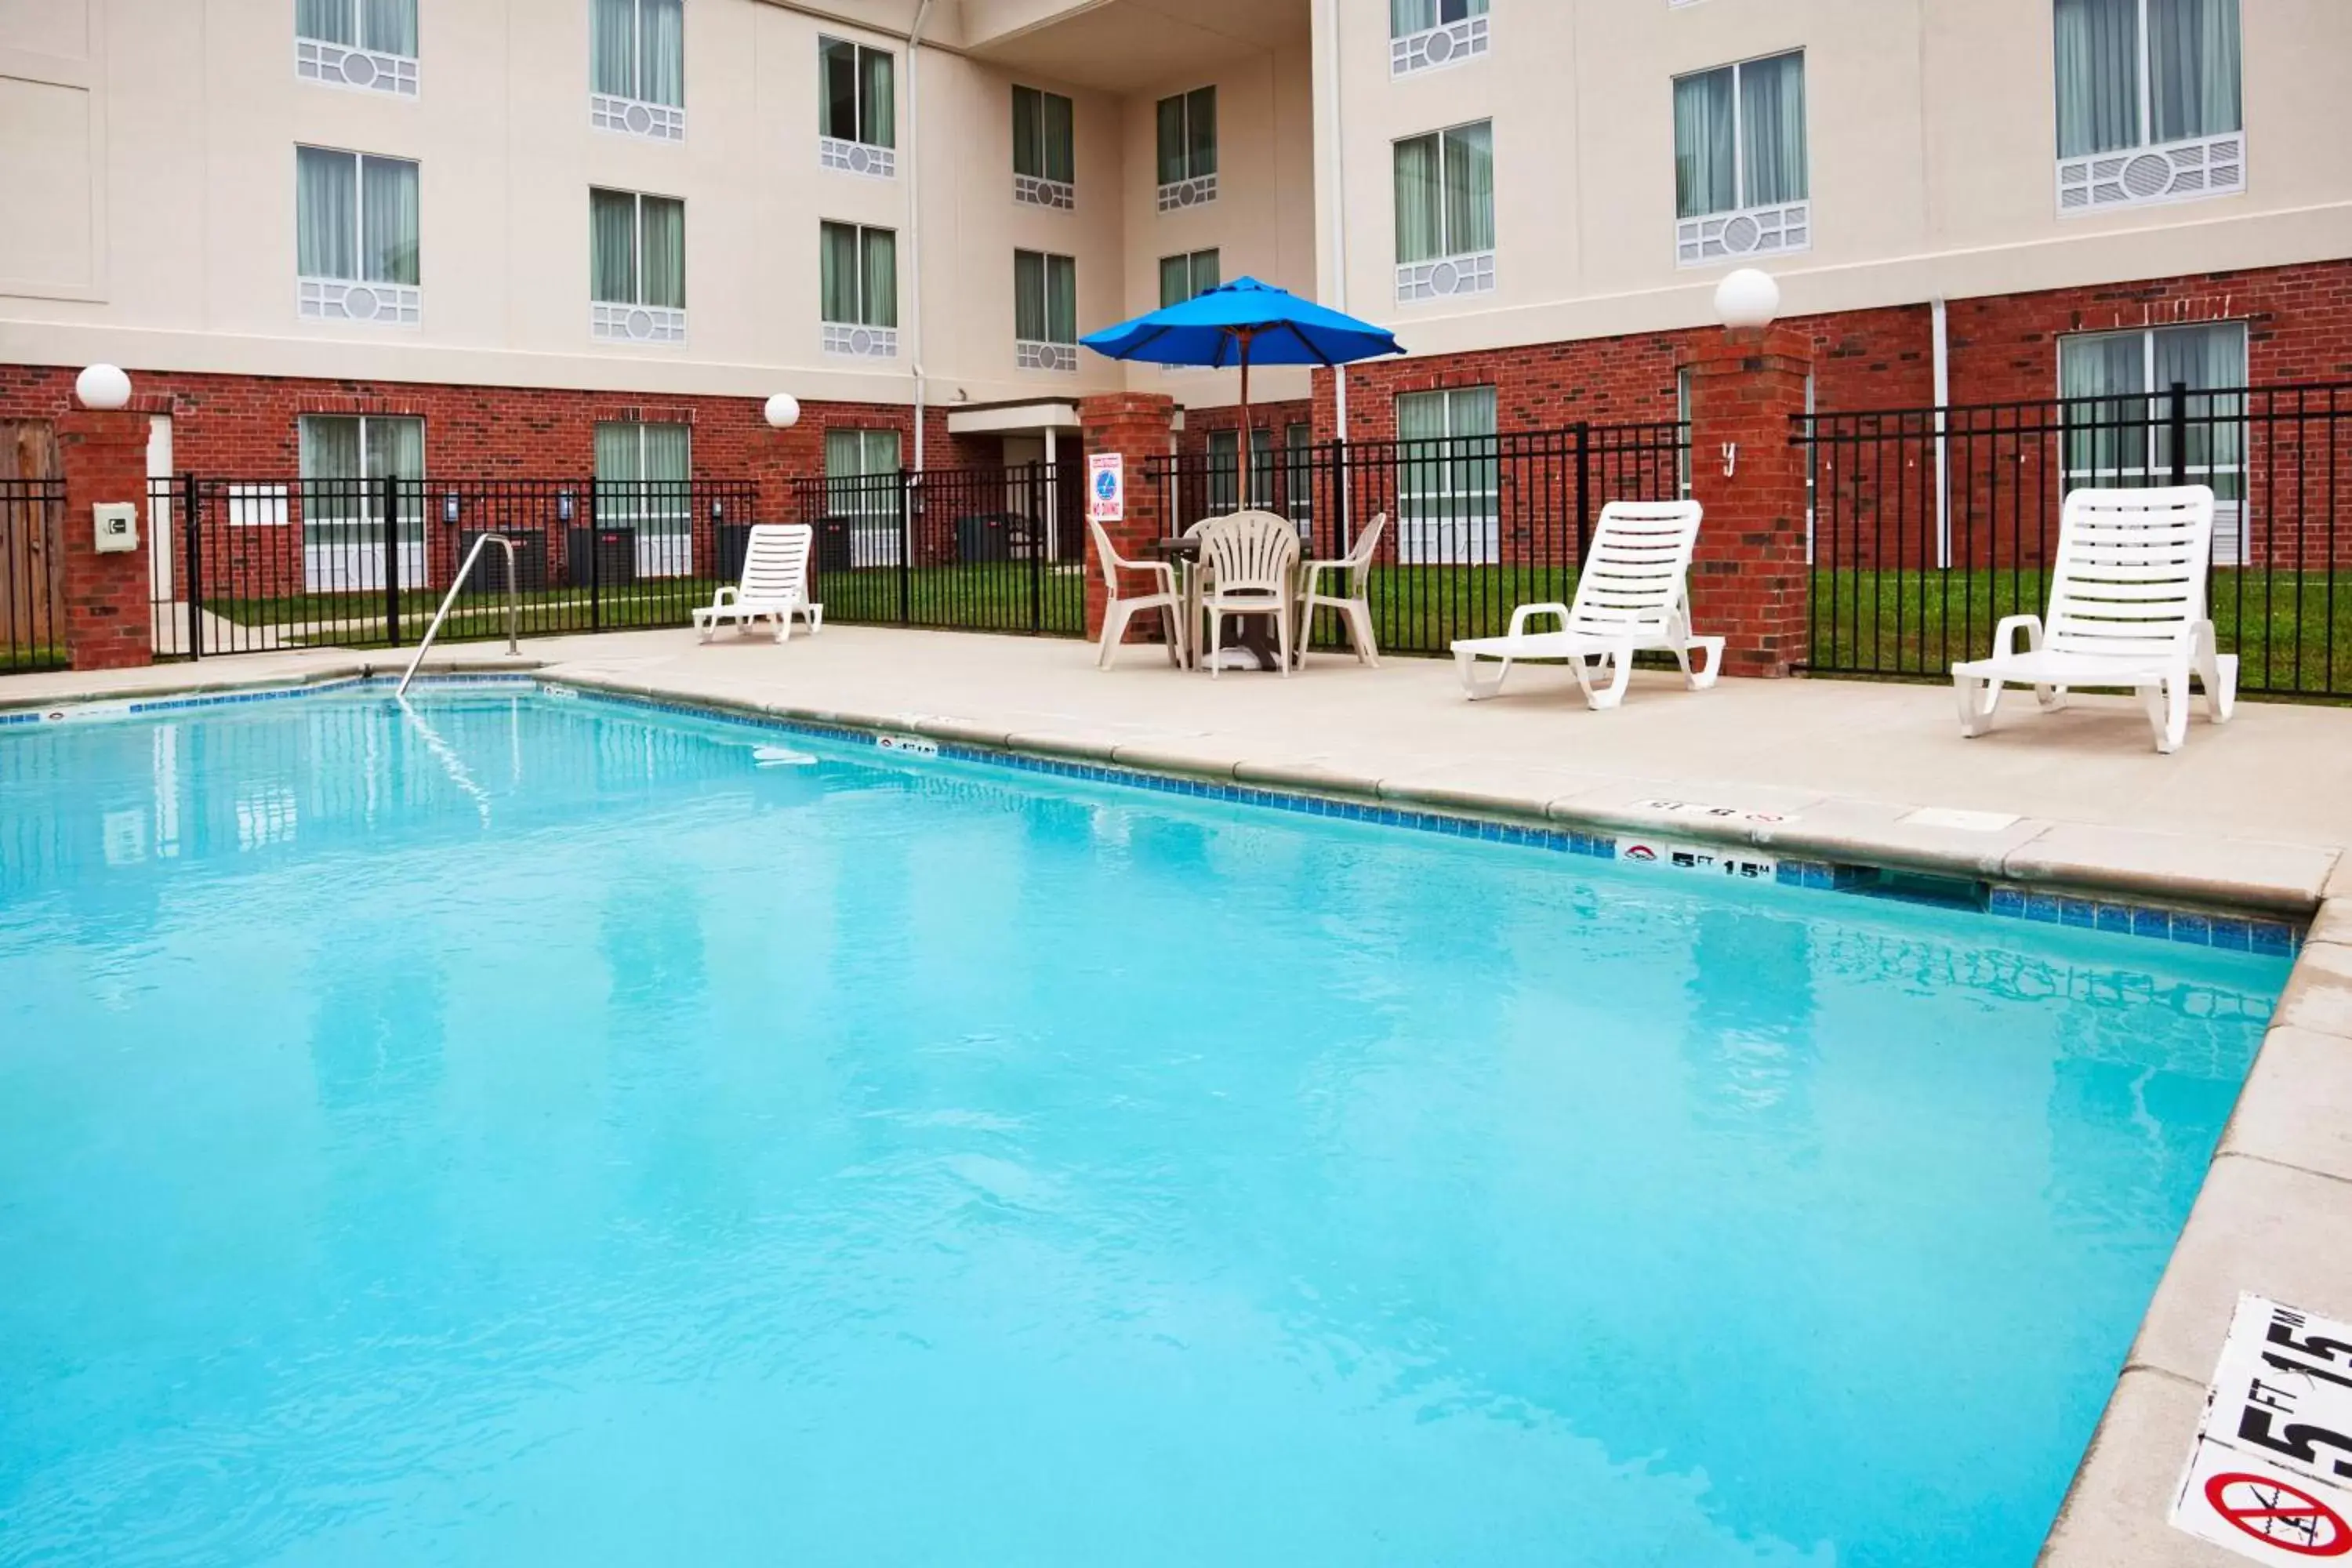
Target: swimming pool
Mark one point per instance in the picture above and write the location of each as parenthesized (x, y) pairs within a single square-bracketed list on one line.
[(535, 1129)]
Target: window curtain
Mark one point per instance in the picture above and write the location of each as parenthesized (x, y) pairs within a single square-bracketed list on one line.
[(1175, 280), (668, 503), (612, 48), (2098, 48), (1200, 132), (2193, 70), (612, 248), (1772, 107), (1208, 270), (1061, 139), (1171, 140), (1420, 236), (1407, 17), (619, 455), (1225, 470), (837, 290), (326, 214), (661, 52), (1706, 171), (329, 21), (837, 102), (881, 278), (331, 458), (389, 26), (1029, 297), (388, 232), (1028, 132), (2207, 359), (1469, 156), (663, 259), (878, 120), (1061, 299), (2107, 440), (396, 450)]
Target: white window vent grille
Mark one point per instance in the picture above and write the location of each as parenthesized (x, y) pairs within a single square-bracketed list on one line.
[(858, 158), (1447, 278), (631, 117), (336, 300), (1448, 45), (636, 324), (1749, 231), (1031, 355), (861, 343), (338, 66), (1199, 191), (1030, 190), (2146, 177)]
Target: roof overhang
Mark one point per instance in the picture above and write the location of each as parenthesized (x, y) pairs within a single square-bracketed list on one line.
[(1013, 418)]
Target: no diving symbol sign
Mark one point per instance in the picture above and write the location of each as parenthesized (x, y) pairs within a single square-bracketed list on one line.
[(2278, 1515)]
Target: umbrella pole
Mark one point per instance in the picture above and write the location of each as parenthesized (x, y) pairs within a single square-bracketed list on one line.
[(1248, 448)]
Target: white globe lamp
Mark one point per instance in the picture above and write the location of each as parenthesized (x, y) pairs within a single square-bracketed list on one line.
[(102, 386), (1747, 297), (783, 411)]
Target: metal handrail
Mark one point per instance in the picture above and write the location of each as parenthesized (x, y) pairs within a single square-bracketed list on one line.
[(514, 604)]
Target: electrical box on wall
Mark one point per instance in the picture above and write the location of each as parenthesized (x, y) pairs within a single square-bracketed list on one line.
[(118, 527)]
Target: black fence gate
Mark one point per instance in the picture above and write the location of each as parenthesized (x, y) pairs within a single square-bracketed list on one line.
[(1928, 525), (32, 583)]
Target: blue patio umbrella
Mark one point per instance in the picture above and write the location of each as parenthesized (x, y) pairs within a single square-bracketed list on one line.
[(1241, 324)]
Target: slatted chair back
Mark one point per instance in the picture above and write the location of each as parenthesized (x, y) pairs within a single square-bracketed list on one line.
[(775, 564), (1636, 578), (1251, 553), (2131, 572)]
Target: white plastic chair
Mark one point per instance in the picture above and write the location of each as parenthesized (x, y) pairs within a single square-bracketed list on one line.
[(774, 586), (1252, 560), (1633, 597), (1119, 611), (1354, 602), (2127, 608)]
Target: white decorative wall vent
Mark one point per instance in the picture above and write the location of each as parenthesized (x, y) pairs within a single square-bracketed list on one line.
[(636, 324), (858, 158), (336, 300), (2145, 176), (1748, 231), (1030, 190), (338, 66), (632, 117), (861, 343), (1447, 278), (1448, 45), (1199, 191), (1031, 355)]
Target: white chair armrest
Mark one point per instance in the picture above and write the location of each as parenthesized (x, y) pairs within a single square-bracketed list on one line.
[(1526, 613), (2004, 635)]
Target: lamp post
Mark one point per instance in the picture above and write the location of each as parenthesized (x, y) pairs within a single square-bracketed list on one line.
[(1746, 298), (103, 388)]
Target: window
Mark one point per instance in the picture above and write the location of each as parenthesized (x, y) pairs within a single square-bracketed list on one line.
[(1449, 478), (1426, 34), (862, 486), (636, 65), (1298, 480), (1045, 154), (645, 482), (2118, 415), (344, 462), (1445, 213), (636, 266), (1183, 277), (860, 302), (1225, 469), (857, 115), (1044, 311), (355, 237), (1740, 178), (368, 44), (2149, 103), (1188, 148)]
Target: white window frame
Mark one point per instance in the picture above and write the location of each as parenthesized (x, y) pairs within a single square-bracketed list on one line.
[(633, 116), (850, 155), (1748, 228), (354, 64), (1454, 535), (664, 532), (863, 337), (1041, 190), (2229, 480), (1195, 189), (1446, 276), (320, 297), (1044, 354), (2149, 172), (634, 321)]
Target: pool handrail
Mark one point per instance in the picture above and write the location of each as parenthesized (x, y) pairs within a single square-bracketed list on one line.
[(514, 604)]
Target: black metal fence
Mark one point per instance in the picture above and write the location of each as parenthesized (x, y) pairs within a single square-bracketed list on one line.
[(1477, 524), (32, 565), (1931, 524), (994, 550), (257, 564)]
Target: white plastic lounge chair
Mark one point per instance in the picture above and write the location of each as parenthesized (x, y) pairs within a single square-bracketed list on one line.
[(1119, 611), (1252, 560), (2127, 608), (774, 586), (1633, 597), (1353, 602)]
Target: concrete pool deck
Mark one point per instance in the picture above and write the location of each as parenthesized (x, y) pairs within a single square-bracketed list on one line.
[(2255, 814)]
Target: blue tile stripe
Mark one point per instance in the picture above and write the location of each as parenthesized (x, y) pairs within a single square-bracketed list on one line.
[(2197, 928), (141, 706)]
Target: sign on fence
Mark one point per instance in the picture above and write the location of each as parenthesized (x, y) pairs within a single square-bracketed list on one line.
[(1107, 487)]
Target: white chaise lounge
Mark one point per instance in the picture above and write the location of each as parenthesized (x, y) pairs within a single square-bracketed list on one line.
[(774, 586), (1633, 597), (2127, 608)]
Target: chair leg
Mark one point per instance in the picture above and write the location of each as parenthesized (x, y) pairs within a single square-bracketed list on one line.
[(1216, 644), (2167, 710), (1978, 698), (1621, 663), (1360, 632), (2051, 698), (1282, 639), (2218, 673), (1477, 688), (1115, 618), (1171, 630), (1712, 667)]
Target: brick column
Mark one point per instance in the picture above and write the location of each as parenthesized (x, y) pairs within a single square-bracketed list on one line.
[(1748, 583), (109, 619), (1142, 427)]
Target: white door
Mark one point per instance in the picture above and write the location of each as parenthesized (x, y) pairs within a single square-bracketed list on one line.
[(159, 508)]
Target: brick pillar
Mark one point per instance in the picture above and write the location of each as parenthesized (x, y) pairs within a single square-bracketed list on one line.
[(109, 620), (1748, 583), (1142, 427)]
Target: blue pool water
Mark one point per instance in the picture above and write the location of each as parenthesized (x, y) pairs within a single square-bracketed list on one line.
[(535, 1130)]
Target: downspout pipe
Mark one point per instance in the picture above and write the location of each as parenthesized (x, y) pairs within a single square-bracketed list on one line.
[(915, 218), (1939, 331), (1338, 204)]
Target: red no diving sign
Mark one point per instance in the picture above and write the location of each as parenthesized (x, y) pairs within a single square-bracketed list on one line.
[(2271, 1477)]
